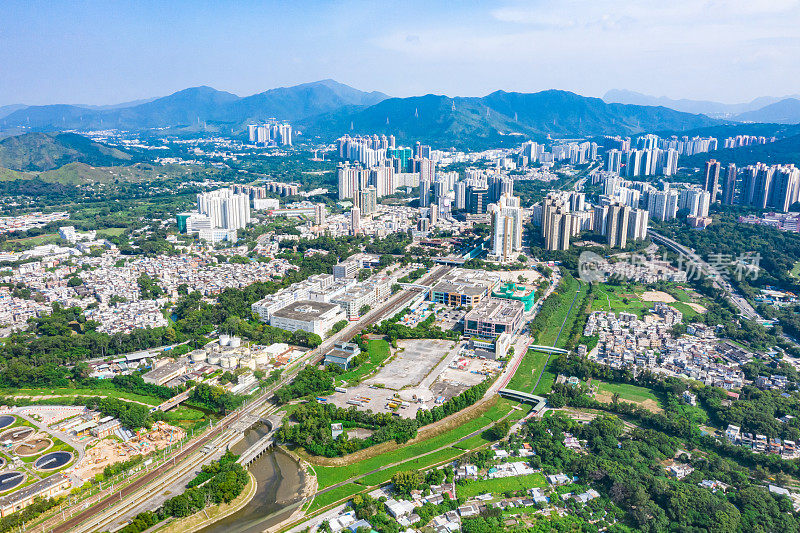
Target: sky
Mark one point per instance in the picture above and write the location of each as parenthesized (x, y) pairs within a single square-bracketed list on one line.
[(106, 52)]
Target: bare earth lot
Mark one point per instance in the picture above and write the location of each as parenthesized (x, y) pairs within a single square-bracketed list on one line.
[(419, 372)]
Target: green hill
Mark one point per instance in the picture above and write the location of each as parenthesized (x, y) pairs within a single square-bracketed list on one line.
[(197, 108), (499, 118), (41, 151)]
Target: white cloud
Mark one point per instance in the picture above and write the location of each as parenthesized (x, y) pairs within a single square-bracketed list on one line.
[(724, 49)]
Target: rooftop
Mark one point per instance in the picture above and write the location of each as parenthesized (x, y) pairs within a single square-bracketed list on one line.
[(305, 310)]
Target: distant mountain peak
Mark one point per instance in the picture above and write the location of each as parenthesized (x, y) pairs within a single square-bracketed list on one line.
[(713, 109)]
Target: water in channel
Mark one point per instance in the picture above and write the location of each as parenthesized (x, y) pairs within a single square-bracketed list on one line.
[(279, 484)]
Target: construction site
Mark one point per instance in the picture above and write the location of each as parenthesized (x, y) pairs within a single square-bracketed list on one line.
[(110, 450)]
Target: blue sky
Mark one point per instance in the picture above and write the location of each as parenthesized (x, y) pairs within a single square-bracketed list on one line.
[(106, 52)]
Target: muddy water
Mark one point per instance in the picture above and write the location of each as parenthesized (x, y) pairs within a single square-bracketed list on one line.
[(279, 484)]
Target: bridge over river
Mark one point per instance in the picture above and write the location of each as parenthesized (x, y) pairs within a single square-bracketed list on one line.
[(264, 443)]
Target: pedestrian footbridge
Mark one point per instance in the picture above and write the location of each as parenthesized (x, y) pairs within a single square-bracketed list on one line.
[(538, 401)]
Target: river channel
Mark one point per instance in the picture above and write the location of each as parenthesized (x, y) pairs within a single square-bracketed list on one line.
[(280, 481)]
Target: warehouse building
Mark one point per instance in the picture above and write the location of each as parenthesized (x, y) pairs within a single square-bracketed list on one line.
[(313, 317)]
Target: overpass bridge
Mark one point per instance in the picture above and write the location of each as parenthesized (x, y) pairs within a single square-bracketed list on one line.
[(416, 287)]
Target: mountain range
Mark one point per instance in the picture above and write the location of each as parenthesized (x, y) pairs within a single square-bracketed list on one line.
[(195, 108), (499, 116), (327, 109), (780, 110)]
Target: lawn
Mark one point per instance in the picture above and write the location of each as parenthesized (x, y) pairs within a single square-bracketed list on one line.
[(548, 378), (376, 478), (331, 475), (500, 485), (334, 495), (626, 391), (688, 312), (528, 371), (625, 298), (378, 353), (616, 299), (111, 232)]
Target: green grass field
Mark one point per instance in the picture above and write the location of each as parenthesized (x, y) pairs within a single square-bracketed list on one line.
[(626, 391), (111, 232), (616, 299), (500, 485), (528, 371), (548, 378), (378, 353), (334, 495), (419, 463), (548, 335), (626, 298), (330, 475)]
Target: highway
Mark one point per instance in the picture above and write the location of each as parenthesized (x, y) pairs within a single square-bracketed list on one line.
[(188, 459), (745, 309)]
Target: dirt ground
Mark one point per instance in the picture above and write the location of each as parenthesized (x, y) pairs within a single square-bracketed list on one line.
[(657, 296), (110, 450), (650, 405), (697, 307), (531, 276)]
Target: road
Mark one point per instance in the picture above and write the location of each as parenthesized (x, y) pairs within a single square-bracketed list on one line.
[(118, 505), (744, 307)]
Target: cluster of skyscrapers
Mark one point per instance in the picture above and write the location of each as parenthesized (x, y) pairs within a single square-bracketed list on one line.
[(652, 155), (565, 215), (747, 140), (270, 134), (374, 150), (219, 214), (761, 186), (662, 203)]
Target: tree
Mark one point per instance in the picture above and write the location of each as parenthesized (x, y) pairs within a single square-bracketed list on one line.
[(499, 430), (405, 482), (364, 310), (74, 281)]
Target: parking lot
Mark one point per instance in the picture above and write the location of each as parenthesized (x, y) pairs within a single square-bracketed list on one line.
[(422, 374), (449, 318), (413, 361)]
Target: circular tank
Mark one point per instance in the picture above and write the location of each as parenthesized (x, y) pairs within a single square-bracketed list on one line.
[(199, 356), (6, 420), (53, 460), (234, 342), (224, 340), (9, 480), (213, 359)]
